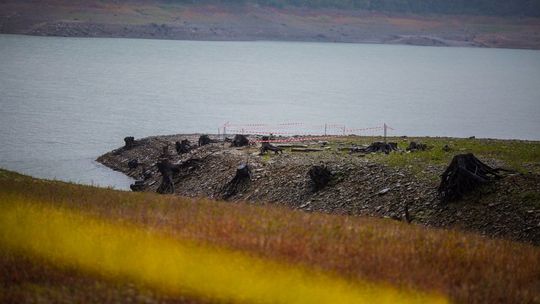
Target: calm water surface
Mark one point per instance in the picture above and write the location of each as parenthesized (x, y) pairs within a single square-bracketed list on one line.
[(65, 101)]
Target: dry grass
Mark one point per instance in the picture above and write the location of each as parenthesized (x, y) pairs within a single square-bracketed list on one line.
[(466, 267)]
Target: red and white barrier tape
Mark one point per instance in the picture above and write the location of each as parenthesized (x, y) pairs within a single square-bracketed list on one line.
[(295, 139)]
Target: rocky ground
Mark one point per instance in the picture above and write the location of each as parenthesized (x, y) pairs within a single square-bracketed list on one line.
[(169, 20), (360, 185)]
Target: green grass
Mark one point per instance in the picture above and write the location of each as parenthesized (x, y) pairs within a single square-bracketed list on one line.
[(521, 156)]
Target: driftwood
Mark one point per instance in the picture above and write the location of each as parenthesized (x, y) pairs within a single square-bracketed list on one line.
[(240, 140), (183, 146), (319, 176), (129, 142), (306, 150), (464, 174), (414, 146), (240, 180), (292, 146), (376, 147)]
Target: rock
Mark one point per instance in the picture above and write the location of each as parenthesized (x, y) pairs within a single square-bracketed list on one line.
[(384, 191), (304, 205)]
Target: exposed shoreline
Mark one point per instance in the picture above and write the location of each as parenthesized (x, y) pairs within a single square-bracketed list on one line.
[(362, 185)]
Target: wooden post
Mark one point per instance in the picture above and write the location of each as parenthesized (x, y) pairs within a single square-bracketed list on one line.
[(325, 127), (384, 126)]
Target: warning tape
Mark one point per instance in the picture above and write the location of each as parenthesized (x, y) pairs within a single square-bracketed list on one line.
[(295, 139), (309, 130)]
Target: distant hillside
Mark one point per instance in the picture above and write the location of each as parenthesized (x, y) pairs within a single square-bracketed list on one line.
[(470, 7), (349, 21)]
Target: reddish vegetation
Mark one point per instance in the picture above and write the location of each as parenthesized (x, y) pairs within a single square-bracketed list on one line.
[(464, 266), (166, 20)]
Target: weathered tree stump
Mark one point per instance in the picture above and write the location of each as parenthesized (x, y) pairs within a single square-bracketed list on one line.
[(320, 177), (129, 142), (204, 140), (137, 186), (240, 180), (414, 146), (165, 154), (167, 171), (240, 140), (464, 174), (376, 147), (133, 164), (183, 147), (267, 146)]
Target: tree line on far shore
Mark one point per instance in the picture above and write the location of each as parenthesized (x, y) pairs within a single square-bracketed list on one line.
[(467, 7)]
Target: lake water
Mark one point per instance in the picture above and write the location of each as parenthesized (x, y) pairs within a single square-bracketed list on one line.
[(65, 101)]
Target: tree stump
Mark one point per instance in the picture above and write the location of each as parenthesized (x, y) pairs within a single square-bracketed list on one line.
[(320, 177), (165, 154), (129, 142), (167, 171), (376, 147), (137, 186), (240, 180), (414, 146), (464, 174), (183, 147), (267, 146), (240, 140), (133, 164), (204, 140)]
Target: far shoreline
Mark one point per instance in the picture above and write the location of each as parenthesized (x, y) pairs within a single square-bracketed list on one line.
[(199, 22)]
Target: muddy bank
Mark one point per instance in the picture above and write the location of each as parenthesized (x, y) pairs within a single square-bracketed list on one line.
[(359, 185)]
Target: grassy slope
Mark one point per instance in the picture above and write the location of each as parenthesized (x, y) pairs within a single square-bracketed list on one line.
[(464, 266), (521, 156), (241, 23)]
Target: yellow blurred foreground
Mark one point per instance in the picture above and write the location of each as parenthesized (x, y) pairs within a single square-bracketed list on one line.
[(127, 252)]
